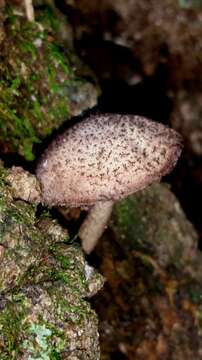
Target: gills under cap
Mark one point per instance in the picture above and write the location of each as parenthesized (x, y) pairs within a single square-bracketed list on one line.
[(106, 157)]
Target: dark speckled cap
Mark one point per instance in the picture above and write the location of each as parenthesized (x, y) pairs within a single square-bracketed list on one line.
[(106, 157)]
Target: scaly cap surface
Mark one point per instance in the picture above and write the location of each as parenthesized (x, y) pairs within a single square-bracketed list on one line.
[(106, 157)]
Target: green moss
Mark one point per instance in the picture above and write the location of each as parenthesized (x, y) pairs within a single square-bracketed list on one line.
[(35, 86), (55, 355), (63, 259), (77, 312), (24, 116), (127, 223), (38, 336), (24, 245), (151, 221), (58, 276), (48, 18), (11, 319), (42, 284)]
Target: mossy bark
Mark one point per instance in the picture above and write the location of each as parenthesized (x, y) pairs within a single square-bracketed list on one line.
[(41, 85), (151, 307), (43, 285)]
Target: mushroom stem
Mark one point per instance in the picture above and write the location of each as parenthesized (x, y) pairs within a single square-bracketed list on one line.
[(29, 9), (94, 225)]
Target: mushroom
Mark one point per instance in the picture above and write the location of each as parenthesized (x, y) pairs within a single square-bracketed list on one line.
[(102, 159)]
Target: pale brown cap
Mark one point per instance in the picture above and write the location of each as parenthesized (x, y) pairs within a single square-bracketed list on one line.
[(106, 157)]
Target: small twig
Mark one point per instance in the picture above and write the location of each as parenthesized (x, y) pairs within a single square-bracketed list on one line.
[(29, 9)]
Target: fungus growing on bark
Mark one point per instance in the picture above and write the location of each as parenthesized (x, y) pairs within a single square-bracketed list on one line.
[(102, 159)]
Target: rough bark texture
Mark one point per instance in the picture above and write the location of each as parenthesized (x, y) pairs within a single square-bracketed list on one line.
[(40, 86), (151, 305), (43, 283)]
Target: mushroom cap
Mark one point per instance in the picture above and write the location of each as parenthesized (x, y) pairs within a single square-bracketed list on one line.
[(106, 157)]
